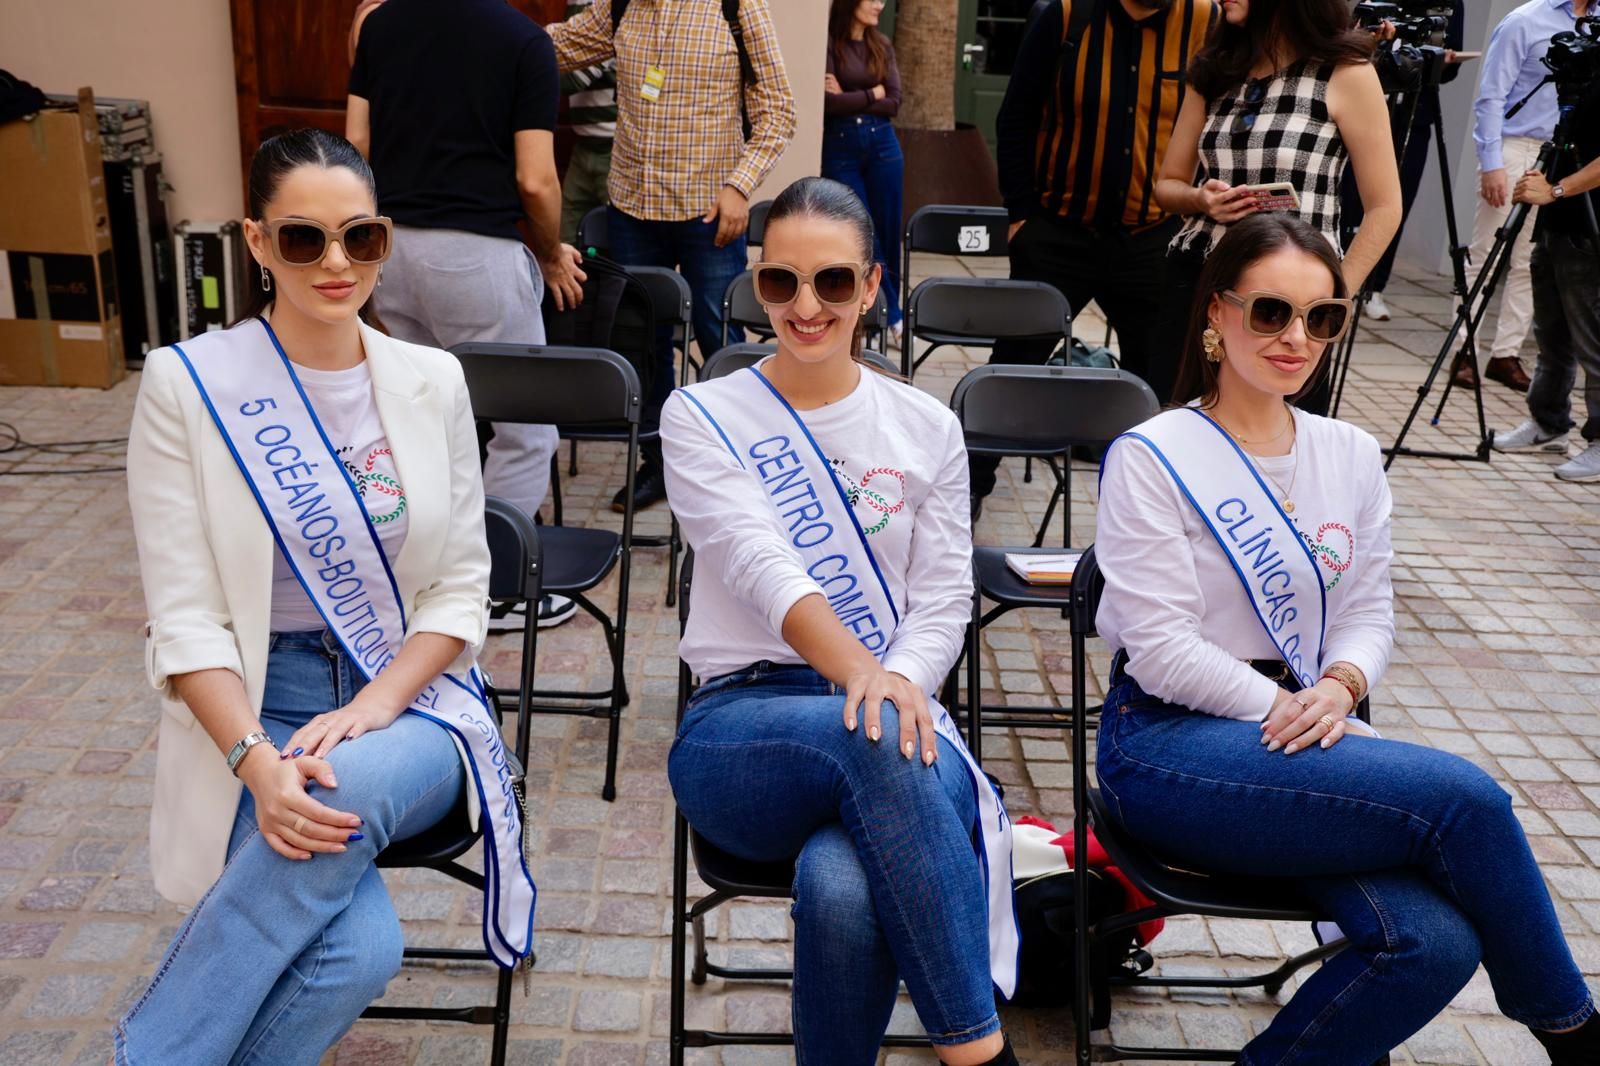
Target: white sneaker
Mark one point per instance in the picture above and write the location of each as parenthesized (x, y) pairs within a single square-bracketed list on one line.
[(1530, 437), (1377, 309), (1585, 466), (896, 334), (513, 618)]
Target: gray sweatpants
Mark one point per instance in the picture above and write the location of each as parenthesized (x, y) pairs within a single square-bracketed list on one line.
[(445, 287)]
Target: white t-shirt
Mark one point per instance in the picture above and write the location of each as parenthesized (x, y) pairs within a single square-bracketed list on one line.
[(348, 412), (1174, 603), (900, 456)]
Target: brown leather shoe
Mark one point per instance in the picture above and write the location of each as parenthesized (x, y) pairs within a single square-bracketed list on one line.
[(1466, 375), (1507, 370)]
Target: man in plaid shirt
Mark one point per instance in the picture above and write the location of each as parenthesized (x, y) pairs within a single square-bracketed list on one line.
[(682, 168)]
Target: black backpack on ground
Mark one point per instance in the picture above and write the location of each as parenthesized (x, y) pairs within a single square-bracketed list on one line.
[(1047, 970)]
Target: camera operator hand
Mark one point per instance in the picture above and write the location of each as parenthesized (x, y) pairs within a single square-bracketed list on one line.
[(1534, 188), (1493, 186)]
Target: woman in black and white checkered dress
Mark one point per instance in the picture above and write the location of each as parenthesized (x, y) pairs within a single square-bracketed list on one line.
[(1285, 93)]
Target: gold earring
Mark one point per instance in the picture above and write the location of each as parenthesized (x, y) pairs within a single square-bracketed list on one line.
[(863, 309), (1211, 341)]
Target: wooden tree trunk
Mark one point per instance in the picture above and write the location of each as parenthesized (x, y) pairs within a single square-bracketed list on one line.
[(925, 48)]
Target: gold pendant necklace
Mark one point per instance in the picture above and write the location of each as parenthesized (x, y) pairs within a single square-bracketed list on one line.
[(1285, 495)]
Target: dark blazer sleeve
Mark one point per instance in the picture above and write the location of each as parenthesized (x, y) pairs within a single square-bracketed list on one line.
[(1016, 126)]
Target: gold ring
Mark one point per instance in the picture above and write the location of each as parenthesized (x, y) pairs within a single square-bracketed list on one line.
[(1327, 722), (298, 822)]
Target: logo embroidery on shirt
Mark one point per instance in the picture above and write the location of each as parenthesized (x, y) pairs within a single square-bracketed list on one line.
[(381, 494), (1330, 552), (876, 501)]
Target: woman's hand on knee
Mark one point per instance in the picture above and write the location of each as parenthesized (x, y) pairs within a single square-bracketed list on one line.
[(866, 692), (293, 823), (326, 731), (1315, 715)]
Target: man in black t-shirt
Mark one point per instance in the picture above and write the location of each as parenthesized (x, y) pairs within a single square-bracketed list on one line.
[(1566, 314), (455, 106)]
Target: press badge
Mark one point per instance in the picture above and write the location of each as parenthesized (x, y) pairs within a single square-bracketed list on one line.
[(654, 79)]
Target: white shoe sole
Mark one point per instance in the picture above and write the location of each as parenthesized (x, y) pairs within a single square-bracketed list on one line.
[(1578, 479), (1554, 445), (547, 621)]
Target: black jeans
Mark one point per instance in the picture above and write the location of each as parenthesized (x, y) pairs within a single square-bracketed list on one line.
[(1118, 269), (1566, 325)]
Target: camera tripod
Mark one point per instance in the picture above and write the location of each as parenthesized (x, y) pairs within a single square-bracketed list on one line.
[(1498, 259)]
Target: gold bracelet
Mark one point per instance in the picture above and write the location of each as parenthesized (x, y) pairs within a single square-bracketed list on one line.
[(1346, 677)]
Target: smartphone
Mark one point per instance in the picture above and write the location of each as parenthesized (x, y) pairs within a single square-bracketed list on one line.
[(1276, 196)]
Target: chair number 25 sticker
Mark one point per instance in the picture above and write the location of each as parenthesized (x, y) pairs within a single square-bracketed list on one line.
[(973, 239)]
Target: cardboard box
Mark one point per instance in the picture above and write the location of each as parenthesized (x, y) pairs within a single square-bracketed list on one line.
[(59, 322)]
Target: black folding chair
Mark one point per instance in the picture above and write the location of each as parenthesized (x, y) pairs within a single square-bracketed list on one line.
[(951, 229), (1041, 412), (725, 361), (583, 388), (728, 877), (593, 236), (1174, 891), (980, 312), (515, 572), (758, 223), (742, 308)]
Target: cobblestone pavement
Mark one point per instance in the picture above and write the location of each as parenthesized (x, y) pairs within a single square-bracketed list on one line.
[(1497, 581)]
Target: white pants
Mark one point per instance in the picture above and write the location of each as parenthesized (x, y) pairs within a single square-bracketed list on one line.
[(1516, 288), (446, 287)]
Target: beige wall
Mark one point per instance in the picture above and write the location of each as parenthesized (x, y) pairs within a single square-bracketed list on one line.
[(178, 54)]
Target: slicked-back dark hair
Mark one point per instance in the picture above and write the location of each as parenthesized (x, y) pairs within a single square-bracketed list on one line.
[(1245, 244), (836, 202), (276, 158), (1315, 30)]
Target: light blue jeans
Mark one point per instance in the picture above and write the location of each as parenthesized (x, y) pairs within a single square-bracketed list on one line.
[(887, 884), (281, 956)]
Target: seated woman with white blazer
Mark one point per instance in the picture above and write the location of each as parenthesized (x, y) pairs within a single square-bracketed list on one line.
[(1245, 546), (310, 521)]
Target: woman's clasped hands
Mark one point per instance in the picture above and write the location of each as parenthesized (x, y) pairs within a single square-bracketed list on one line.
[(1315, 715), (865, 693)]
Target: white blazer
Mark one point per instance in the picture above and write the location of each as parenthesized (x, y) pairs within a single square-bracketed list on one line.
[(206, 555)]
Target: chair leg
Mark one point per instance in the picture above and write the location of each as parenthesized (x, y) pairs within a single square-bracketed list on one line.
[(698, 975), (502, 1019), (680, 903), (974, 680), (674, 545), (572, 458), (555, 489)]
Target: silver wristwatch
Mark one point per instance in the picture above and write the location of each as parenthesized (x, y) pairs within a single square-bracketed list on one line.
[(1557, 191), (236, 753)]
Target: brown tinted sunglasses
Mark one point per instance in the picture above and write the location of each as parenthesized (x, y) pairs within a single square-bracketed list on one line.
[(301, 242), (779, 285)]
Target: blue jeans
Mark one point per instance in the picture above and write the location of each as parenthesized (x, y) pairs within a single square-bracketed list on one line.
[(887, 884), (689, 248), (1414, 852), (281, 956), (862, 151)]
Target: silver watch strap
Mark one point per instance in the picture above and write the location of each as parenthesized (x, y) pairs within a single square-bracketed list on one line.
[(237, 752)]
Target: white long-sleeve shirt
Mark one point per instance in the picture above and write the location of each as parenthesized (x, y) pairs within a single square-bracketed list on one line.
[(902, 461), (1174, 603)]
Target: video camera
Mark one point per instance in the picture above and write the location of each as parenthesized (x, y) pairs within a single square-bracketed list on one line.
[(1419, 23), (1574, 61)]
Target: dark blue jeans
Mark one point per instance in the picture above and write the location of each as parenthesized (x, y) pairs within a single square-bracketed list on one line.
[(688, 248), (1414, 852), (887, 884), (863, 152)]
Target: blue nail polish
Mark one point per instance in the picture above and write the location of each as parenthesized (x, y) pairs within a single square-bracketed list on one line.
[(355, 836), (297, 752)]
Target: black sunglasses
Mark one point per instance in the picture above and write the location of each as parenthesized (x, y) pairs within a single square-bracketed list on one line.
[(1255, 94)]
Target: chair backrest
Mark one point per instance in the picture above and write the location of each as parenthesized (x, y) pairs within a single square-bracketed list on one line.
[(670, 297), (741, 307), (880, 361), (516, 558), (617, 313), (1088, 585), (1051, 406), (988, 308), (958, 229), (732, 358), (592, 231), (758, 222), (549, 386)]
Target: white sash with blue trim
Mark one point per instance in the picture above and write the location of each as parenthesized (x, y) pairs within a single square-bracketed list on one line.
[(317, 518), (769, 438), (1271, 559)]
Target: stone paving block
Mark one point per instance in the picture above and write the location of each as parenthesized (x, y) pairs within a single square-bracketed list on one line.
[(606, 1010), (31, 1047), (70, 995)]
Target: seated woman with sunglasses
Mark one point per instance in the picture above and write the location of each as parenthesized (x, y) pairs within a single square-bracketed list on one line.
[(1245, 547), (827, 507), (310, 522), (1284, 93)]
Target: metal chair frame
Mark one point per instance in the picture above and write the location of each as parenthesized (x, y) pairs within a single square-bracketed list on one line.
[(515, 575), (499, 394), (938, 229)]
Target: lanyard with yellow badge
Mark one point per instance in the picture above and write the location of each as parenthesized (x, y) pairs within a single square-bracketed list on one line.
[(655, 75)]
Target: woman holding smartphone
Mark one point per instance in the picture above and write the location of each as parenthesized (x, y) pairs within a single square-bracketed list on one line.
[(1286, 93)]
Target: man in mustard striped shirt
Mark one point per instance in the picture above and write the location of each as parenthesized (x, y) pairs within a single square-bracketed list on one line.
[(1092, 101), (682, 165)]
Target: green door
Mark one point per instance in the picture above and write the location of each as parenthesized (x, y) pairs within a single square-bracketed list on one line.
[(988, 33)]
